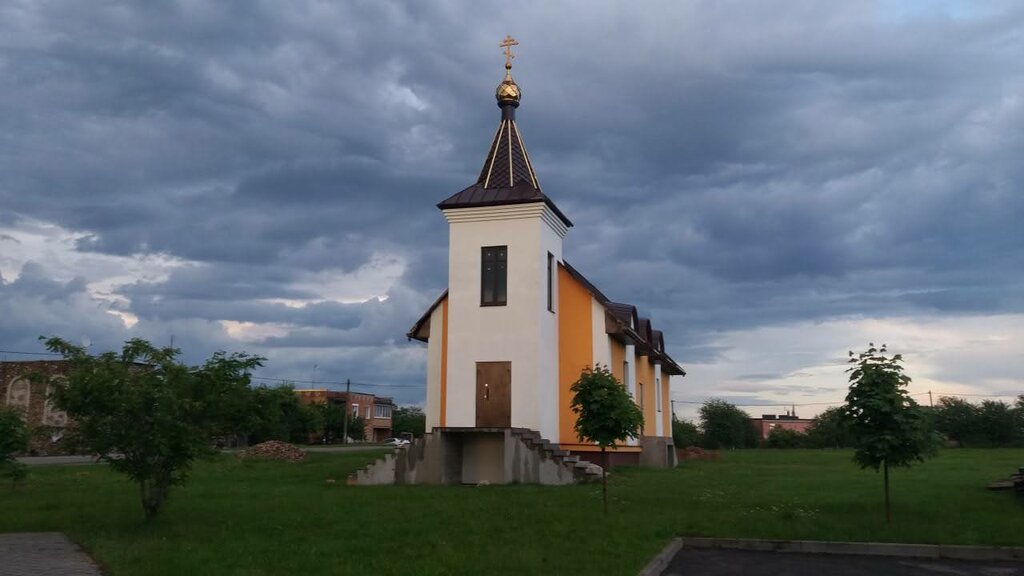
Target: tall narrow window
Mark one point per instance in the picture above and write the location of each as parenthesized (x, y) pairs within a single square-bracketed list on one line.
[(551, 282), (494, 275), (640, 394), (657, 393)]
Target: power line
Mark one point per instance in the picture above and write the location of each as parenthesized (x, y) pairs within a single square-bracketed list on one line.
[(836, 402), (331, 383)]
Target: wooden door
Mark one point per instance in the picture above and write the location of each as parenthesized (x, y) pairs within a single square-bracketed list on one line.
[(493, 394)]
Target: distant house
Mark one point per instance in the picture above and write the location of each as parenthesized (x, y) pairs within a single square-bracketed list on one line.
[(376, 410), (768, 422), (26, 386)]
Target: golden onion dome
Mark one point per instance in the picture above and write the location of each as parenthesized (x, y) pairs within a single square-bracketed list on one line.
[(508, 91)]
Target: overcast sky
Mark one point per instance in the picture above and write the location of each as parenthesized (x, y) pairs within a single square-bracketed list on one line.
[(773, 183)]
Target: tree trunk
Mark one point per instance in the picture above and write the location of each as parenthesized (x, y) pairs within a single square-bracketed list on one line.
[(154, 492), (604, 478), (888, 508)]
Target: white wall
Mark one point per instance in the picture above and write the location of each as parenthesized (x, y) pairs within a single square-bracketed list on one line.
[(434, 344), (630, 356), (602, 342), (523, 331), (659, 397)]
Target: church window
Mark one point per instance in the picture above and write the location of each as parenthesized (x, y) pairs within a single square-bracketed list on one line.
[(494, 275), (551, 282)]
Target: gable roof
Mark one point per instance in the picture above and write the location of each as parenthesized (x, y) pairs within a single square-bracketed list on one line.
[(421, 329), (622, 320)]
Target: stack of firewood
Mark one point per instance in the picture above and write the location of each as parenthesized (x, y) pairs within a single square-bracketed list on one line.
[(274, 450)]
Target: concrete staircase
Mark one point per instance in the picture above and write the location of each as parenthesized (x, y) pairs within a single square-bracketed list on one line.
[(582, 470), (513, 455)]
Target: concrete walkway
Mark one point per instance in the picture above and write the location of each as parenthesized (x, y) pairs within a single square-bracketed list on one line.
[(49, 553)]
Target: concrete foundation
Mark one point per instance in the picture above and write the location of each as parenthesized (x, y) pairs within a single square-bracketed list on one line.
[(478, 456), (658, 452)]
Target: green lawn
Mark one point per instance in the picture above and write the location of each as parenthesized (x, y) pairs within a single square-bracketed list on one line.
[(250, 518)]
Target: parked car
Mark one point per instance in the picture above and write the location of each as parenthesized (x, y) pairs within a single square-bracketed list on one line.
[(396, 442)]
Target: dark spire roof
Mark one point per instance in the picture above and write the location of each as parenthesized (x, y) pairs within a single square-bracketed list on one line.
[(507, 176)]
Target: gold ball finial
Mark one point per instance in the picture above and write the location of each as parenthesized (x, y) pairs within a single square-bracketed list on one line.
[(508, 91)]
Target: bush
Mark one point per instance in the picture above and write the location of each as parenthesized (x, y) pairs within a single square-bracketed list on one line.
[(785, 438), (148, 415), (726, 426), (685, 433), (13, 439), (830, 429)]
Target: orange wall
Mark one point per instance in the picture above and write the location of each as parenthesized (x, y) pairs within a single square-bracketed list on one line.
[(644, 375), (575, 347)]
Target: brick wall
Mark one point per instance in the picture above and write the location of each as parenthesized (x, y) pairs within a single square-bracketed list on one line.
[(25, 386)]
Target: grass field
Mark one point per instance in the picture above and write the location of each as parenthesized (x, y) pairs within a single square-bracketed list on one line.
[(254, 518)]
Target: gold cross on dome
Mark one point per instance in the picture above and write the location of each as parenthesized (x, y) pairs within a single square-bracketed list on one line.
[(507, 44)]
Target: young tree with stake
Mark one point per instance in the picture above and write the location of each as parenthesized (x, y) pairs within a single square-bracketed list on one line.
[(605, 414), (888, 428)]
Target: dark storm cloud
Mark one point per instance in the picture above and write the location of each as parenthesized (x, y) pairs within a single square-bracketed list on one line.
[(766, 162)]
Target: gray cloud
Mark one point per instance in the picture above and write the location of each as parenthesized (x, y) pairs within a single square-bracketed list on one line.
[(765, 165)]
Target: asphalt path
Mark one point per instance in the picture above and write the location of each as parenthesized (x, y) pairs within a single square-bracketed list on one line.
[(724, 562)]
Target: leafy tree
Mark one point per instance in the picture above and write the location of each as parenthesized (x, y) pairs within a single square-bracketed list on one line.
[(830, 429), (408, 419), (781, 437), (277, 414), (997, 422), (356, 423), (13, 439), (957, 420), (888, 427), (685, 433), (146, 414), (725, 426), (1018, 409), (605, 414)]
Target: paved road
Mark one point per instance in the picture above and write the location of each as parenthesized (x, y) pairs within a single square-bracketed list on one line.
[(330, 448), (717, 562), (37, 553)]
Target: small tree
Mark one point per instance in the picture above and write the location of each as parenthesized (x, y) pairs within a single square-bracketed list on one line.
[(957, 420), (605, 414), (408, 419), (887, 426), (684, 433), (830, 429), (785, 438), (333, 417), (13, 439), (146, 414), (725, 426)]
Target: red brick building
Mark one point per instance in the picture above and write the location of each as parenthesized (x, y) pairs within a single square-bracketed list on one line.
[(376, 410), (767, 422), (26, 386)]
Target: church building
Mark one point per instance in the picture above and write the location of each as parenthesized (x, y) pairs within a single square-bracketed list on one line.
[(513, 332), (518, 323)]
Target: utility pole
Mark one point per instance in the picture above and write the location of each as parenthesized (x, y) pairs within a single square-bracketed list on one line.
[(348, 408), (930, 405)]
